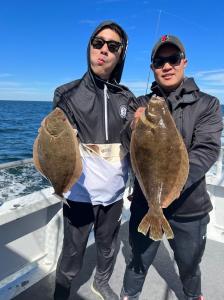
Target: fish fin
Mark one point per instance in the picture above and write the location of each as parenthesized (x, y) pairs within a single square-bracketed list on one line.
[(174, 194), (156, 226), (145, 224), (78, 167), (167, 229), (62, 199), (36, 160)]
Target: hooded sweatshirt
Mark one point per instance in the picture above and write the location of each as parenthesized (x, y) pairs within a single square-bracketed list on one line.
[(97, 109), (198, 118)]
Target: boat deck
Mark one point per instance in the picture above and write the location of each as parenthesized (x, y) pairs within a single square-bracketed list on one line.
[(162, 282)]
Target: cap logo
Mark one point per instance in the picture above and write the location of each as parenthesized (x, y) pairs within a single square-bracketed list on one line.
[(164, 38)]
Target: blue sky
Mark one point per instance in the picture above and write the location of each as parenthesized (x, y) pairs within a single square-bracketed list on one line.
[(43, 43)]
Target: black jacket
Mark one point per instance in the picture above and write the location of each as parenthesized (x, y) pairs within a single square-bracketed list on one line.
[(97, 109), (83, 102), (198, 118), (98, 119)]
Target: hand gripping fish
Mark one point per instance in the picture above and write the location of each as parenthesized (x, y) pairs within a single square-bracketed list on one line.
[(56, 152), (160, 162)]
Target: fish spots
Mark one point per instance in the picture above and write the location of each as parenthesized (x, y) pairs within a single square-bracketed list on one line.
[(162, 124), (56, 152), (160, 162)]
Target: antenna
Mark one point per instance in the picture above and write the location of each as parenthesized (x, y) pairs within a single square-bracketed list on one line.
[(156, 34)]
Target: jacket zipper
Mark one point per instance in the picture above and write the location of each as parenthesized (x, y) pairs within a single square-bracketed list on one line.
[(181, 122), (105, 111)]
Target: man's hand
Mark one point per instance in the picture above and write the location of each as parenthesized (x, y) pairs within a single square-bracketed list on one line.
[(137, 115)]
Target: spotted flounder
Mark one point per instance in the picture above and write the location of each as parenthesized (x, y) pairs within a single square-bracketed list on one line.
[(56, 152), (160, 162)]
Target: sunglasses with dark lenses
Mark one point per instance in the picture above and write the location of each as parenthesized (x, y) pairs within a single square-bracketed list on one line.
[(173, 60), (113, 46)]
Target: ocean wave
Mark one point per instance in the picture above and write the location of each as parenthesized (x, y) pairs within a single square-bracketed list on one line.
[(20, 181)]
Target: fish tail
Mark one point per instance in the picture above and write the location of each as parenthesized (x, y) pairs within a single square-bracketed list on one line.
[(145, 224), (155, 226), (167, 229)]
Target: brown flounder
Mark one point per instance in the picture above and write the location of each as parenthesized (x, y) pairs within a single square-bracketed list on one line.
[(160, 162), (56, 152)]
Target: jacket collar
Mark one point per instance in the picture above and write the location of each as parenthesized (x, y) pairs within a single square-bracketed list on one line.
[(185, 93), (96, 84), (182, 93)]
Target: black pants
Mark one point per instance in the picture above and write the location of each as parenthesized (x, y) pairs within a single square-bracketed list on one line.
[(79, 219), (188, 246)]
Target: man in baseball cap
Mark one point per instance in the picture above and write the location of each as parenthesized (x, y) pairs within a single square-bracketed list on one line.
[(197, 116), (168, 62), (167, 39)]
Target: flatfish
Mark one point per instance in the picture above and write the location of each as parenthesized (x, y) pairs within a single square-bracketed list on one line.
[(160, 163), (56, 152)]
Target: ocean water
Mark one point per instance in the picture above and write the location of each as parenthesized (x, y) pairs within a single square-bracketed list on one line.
[(19, 123)]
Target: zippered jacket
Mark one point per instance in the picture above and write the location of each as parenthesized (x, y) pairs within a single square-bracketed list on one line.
[(197, 116), (97, 109)]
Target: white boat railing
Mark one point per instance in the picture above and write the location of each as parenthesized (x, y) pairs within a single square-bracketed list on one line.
[(215, 174), (31, 230), (215, 187), (15, 164)]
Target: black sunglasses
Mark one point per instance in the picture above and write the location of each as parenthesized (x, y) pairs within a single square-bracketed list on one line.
[(173, 60), (113, 46)]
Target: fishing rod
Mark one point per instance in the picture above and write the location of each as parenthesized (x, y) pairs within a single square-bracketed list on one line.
[(155, 37)]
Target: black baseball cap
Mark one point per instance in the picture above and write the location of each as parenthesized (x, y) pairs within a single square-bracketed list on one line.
[(167, 39)]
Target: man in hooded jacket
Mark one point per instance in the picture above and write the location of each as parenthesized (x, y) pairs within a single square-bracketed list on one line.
[(96, 106), (198, 118)]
